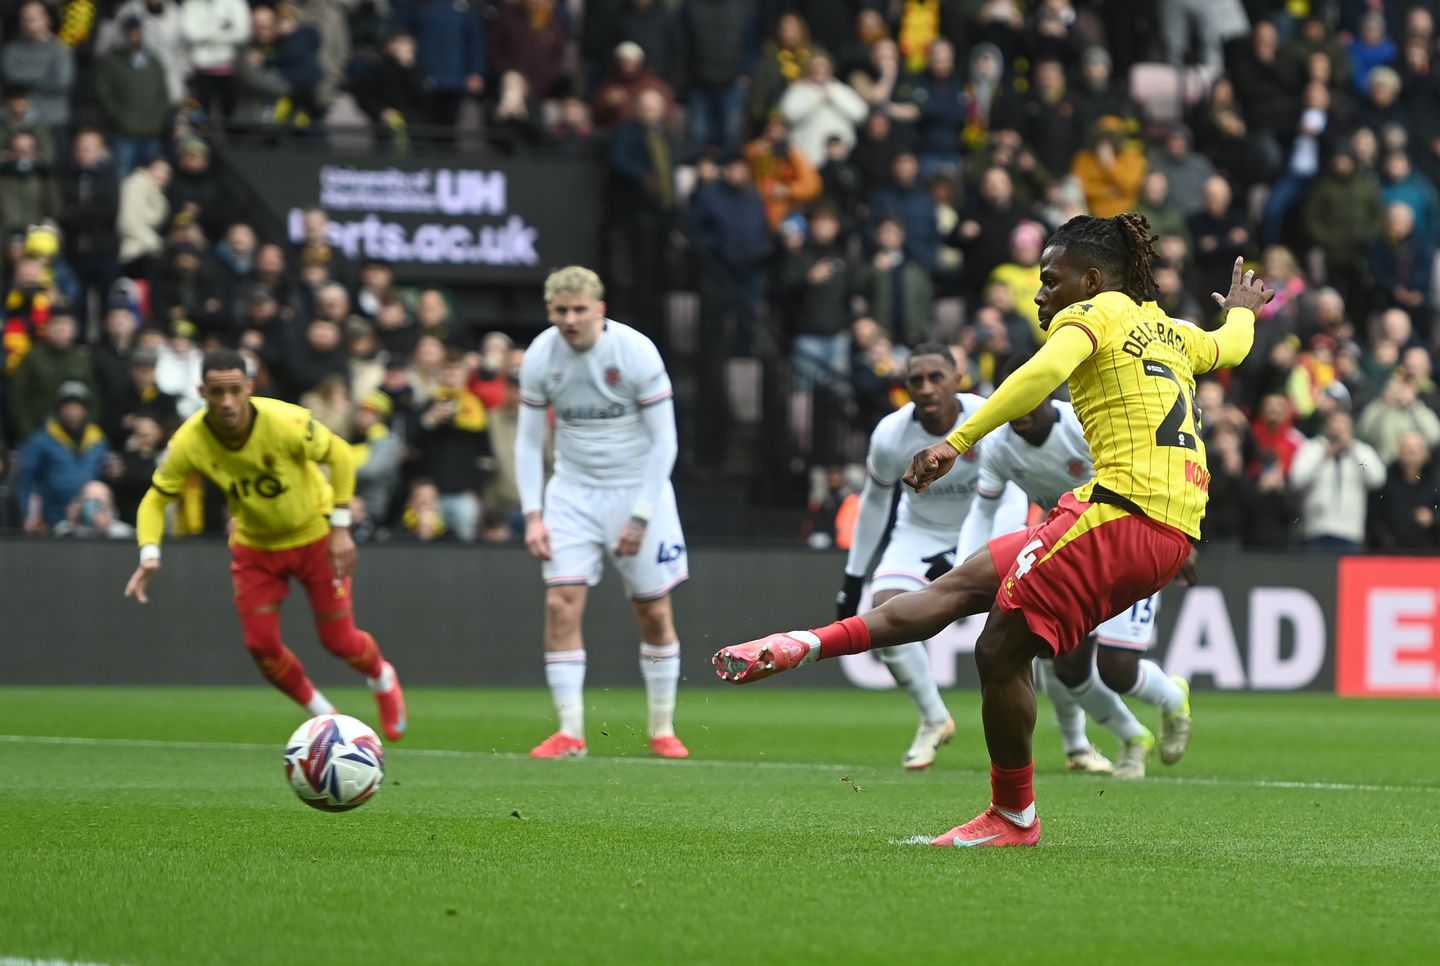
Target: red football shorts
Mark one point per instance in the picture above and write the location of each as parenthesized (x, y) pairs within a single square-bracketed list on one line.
[(1085, 563), (262, 577)]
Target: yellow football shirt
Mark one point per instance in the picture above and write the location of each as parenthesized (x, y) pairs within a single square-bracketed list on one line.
[(1135, 396), (278, 497)]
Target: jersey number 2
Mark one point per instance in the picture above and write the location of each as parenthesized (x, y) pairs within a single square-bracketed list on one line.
[(1171, 431)]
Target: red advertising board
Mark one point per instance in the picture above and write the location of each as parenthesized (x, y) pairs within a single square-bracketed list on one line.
[(1389, 627)]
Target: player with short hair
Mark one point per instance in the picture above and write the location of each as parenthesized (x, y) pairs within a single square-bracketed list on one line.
[(921, 543), (1115, 540), (615, 446), (1044, 452), (290, 521)]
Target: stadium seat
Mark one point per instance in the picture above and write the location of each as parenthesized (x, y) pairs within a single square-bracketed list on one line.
[(1163, 91)]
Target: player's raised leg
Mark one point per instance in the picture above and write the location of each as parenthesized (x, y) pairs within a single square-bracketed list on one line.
[(261, 581), (332, 605), (565, 670), (1124, 670), (660, 668), (917, 616)]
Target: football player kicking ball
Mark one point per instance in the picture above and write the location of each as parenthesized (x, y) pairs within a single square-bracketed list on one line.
[(1117, 539), (925, 527), (289, 522), (1044, 452), (614, 449)]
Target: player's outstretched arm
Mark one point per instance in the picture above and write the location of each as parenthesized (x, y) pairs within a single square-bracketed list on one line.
[(869, 531), (1027, 387), (1248, 294)]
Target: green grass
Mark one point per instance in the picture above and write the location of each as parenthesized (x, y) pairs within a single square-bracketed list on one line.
[(1298, 829)]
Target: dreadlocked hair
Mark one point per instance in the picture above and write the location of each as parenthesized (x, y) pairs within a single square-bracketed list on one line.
[(1121, 247)]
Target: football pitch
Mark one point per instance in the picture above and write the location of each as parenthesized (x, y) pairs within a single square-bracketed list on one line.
[(142, 826)]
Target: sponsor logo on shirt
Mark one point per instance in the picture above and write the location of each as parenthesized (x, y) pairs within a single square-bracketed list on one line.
[(581, 413)]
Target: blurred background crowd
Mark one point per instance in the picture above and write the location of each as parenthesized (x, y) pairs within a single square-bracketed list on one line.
[(797, 190)]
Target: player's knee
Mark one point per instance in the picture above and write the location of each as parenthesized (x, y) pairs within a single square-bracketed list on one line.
[(655, 621), (1118, 668), (562, 610), (1072, 669), (261, 633), (1005, 649)]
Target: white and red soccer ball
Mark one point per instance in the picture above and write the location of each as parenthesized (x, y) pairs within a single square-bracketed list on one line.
[(334, 762)]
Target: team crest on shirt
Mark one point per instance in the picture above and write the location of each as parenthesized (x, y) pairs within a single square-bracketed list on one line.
[(970, 455), (1076, 468), (612, 376)]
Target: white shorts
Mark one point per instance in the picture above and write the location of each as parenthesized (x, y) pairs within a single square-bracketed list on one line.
[(585, 524), (1133, 629), (903, 564)]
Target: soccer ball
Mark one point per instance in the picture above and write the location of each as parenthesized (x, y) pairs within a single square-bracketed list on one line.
[(334, 762)]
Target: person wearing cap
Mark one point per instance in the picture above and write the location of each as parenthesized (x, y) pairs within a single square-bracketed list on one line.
[(164, 37), (378, 453), (139, 397), (616, 98), (134, 97), (291, 521), (784, 177), (59, 458), (54, 360), (177, 367)]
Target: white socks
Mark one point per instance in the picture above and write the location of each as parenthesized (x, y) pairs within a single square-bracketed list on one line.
[(1107, 708), (909, 665), (1153, 687), (1023, 819), (660, 666), (318, 705), (1068, 713), (565, 673), (383, 681)]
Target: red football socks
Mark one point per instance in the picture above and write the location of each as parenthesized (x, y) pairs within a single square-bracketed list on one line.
[(849, 636), (1012, 789)]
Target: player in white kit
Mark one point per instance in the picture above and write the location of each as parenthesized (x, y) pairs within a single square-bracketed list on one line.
[(615, 447), (926, 526), (1045, 454)]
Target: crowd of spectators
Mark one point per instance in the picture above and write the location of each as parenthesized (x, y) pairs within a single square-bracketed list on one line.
[(835, 180)]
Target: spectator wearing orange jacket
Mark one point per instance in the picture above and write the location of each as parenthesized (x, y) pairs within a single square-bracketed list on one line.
[(1110, 170), (783, 175)]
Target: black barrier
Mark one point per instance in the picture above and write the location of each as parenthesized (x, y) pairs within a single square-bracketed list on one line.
[(472, 616), (451, 219)]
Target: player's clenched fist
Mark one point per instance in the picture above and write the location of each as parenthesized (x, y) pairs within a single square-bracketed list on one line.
[(929, 465)]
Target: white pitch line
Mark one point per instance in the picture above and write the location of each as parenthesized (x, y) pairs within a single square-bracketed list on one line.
[(22, 961), (162, 744)]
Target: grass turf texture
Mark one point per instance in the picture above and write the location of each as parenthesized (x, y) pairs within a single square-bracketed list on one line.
[(1298, 829)]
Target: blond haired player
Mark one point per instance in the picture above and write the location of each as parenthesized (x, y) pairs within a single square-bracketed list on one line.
[(1115, 540), (610, 496), (289, 522)]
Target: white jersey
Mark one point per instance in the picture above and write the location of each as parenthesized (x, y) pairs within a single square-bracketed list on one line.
[(1045, 472), (942, 507), (597, 396)]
